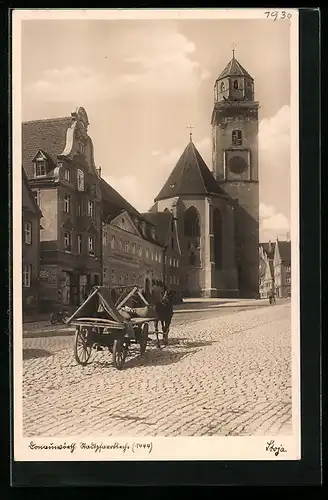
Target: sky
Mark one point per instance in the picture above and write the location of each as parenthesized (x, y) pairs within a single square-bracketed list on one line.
[(143, 82)]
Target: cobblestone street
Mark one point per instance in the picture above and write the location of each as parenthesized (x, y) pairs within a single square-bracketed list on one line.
[(221, 375)]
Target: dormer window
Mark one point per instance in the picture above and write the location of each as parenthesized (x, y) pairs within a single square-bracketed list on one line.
[(222, 87), (80, 180), (153, 233), (235, 84), (67, 175), (40, 167)]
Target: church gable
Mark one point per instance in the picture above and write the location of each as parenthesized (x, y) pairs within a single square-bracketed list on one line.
[(124, 222)]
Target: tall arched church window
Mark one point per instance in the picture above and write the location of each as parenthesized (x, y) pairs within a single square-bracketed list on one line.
[(237, 138), (222, 87), (235, 84), (217, 231), (80, 180), (191, 223)]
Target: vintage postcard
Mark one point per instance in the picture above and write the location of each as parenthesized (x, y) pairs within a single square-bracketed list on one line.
[(155, 234)]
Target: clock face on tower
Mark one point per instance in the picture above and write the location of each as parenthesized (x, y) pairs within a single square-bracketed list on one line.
[(237, 165)]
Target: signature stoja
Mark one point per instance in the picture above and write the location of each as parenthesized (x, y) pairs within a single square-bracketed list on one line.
[(271, 446)]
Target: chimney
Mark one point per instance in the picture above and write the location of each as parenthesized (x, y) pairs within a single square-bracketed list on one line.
[(270, 246), (99, 171)]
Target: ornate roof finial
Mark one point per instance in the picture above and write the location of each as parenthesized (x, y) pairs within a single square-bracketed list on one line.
[(233, 46), (190, 133)]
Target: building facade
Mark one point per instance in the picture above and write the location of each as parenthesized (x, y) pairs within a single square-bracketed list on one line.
[(282, 268), (267, 279), (31, 219), (216, 214), (59, 163), (235, 164)]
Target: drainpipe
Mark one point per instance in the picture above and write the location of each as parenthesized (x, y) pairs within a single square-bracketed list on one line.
[(164, 265)]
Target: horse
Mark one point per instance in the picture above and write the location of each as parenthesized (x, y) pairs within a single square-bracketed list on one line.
[(164, 314)]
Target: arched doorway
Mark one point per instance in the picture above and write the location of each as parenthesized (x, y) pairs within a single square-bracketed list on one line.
[(217, 233)]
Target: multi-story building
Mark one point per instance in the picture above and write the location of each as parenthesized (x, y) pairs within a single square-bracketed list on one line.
[(132, 251), (282, 268), (266, 256), (31, 216), (59, 163), (167, 235)]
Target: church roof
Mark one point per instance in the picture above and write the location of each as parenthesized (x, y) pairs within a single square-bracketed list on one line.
[(234, 68), (190, 176), (48, 135)]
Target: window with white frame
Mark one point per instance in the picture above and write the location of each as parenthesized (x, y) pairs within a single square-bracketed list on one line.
[(171, 261), (67, 175), (159, 257), (152, 255), (67, 203), (147, 253), (156, 256), (121, 279), (133, 248), (91, 208), (37, 197), (79, 243), (126, 278), (112, 242), (288, 280), (91, 245), (105, 238), (126, 247), (27, 275), (140, 251), (287, 269), (28, 233), (80, 180), (40, 168), (67, 240), (177, 262)]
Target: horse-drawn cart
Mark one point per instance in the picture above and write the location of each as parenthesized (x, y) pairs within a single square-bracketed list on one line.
[(101, 324)]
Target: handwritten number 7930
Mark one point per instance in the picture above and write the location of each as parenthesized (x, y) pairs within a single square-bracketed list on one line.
[(275, 14)]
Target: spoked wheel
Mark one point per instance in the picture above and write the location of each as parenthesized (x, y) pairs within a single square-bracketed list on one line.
[(144, 338), (82, 350), (120, 350)]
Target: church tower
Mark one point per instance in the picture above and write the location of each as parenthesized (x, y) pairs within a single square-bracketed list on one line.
[(235, 165)]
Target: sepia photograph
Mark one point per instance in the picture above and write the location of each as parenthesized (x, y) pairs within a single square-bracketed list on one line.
[(156, 234)]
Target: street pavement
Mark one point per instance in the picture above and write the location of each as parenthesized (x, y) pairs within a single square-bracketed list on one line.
[(225, 372)]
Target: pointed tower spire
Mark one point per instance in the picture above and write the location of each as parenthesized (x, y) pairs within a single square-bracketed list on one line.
[(233, 46), (190, 133)]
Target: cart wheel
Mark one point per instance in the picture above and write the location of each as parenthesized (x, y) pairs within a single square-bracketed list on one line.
[(144, 338), (82, 350), (166, 339), (120, 350)]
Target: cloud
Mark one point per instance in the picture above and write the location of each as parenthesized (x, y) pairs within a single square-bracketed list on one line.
[(152, 61), (272, 223), (129, 187), (274, 160)]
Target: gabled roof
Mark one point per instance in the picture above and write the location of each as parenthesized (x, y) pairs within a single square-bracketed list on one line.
[(162, 221), (190, 176), (284, 248), (29, 191), (234, 68), (47, 135), (113, 203), (267, 250)]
